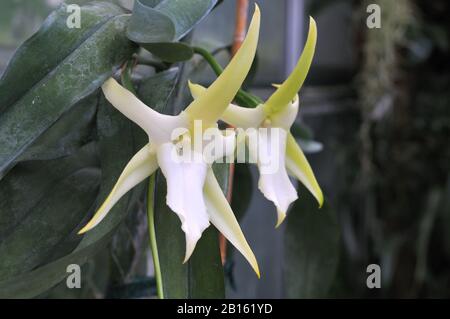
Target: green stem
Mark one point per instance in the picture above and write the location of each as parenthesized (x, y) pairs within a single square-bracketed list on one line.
[(242, 97), (151, 230), (126, 77), (128, 84)]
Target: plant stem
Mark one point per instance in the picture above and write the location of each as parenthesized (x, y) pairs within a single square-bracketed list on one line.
[(128, 84), (151, 230), (242, 97)]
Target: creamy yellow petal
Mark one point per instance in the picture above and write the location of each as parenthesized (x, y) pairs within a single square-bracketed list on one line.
[(141, 166), (209, 106), (288, 90), (298, 166), (222, 217)]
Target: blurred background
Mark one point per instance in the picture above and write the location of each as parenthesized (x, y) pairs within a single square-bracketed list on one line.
[(377, 101)]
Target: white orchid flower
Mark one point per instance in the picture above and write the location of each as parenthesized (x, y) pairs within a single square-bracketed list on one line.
[(278, 114), (193, 192)]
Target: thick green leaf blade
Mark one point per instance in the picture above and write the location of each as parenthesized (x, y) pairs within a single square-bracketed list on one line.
[(29, 184), (117, 140), (77, 76), (156, 90), (46, 49), (148, 25), (68, 134), (156, 25), (170, 51), (54, 218), (185, 13), (311, 248)]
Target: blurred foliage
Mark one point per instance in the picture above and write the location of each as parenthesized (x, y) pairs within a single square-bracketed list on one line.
[(396, 212)]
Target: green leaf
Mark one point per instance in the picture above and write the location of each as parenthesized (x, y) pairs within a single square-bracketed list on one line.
[(242, 193), (170, 52), (67, 135), (71, 76), (30, 227), (185, 14), (148, 25), (156, 90), (311, 248), (117, 144), (157, 25), (46, 49)]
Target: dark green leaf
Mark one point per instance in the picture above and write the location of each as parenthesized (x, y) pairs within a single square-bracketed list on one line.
[(61, 85), (148, 25), (311, 248), (185, 13), (170, 51), (242, 190), (117, 141), (55, 216), (46, 49), (157, 25), (67, 135), (157, 89), (301, 131)]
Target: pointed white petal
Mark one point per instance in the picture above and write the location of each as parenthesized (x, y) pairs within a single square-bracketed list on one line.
[(235, 115), (185, 181), (141, 166), (222, 217), (298, 166), (158, 127), (274, 182)]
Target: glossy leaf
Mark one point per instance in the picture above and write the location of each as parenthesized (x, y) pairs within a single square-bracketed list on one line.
[(61, 85), (170, 52), (46, 49), (116, 146), (69, 133), (311, 248), (157, 25), (156, 90)]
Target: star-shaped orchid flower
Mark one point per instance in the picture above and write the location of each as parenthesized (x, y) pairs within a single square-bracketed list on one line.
[(277, 114), (193, 192)]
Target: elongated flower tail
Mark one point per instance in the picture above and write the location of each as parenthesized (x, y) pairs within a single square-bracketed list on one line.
[(298, 166), (210, 105), (141, 166), (288, 90), (222, 217), (281, 216)]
